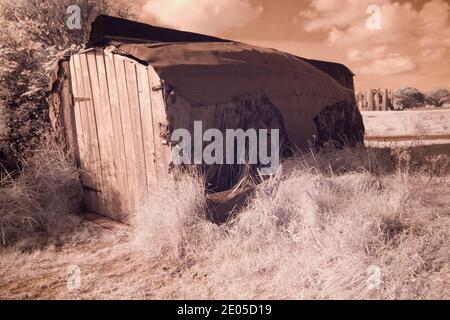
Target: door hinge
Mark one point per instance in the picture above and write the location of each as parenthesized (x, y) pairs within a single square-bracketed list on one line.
[(77, 99), (87, 188), (157, 88)]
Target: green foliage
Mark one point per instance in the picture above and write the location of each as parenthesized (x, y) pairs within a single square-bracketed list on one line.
[(34, 36)]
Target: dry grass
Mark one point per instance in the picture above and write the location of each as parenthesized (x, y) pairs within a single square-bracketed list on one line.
[(2, 122), (407, 122), (167, 224), (333, 216), (37, 201), (320, 233)]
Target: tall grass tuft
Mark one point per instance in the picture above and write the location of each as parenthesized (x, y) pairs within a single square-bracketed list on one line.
[(40, 197), (173, 221)]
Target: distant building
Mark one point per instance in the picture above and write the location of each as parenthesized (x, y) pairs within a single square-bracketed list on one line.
[(375, 100)]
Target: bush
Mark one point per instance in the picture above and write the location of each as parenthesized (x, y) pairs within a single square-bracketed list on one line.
[(41, 196), (34, 36)]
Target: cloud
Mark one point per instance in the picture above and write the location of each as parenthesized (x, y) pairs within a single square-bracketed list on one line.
[(433, 55), (401, 23), (356, 55), (434, 16), (407, 32), (205, 16), (394, 63), (324, 15)]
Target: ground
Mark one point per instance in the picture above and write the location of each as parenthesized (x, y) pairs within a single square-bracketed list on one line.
[(347, 224), (409, 122)]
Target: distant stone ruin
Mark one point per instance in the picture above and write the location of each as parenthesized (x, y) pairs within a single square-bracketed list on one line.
[(375, 100)]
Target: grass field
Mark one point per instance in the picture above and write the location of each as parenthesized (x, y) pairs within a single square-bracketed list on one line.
[(319, 233), (413, 123)]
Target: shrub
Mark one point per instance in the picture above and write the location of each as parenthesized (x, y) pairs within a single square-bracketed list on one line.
[(34, 36), (40, 197)]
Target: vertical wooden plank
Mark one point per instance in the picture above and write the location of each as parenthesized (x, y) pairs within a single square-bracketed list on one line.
[(93, 137), (163, 152), (127, 130), (136, 129), (69, 112), (83, 132), (116, 104), (147, 127), (78, 123), (82, 128), (103, 122), (76, 108), (112, 183)]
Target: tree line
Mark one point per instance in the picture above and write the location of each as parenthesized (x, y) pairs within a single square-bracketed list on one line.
[(408, 97)]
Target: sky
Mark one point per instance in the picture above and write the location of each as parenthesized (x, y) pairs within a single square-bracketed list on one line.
[(386, 43)]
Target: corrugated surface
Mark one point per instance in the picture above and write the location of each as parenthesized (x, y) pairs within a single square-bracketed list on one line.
[(106, 30), (209, 74)]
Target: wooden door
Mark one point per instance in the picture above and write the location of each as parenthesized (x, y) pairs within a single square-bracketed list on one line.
[(120, 117)]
